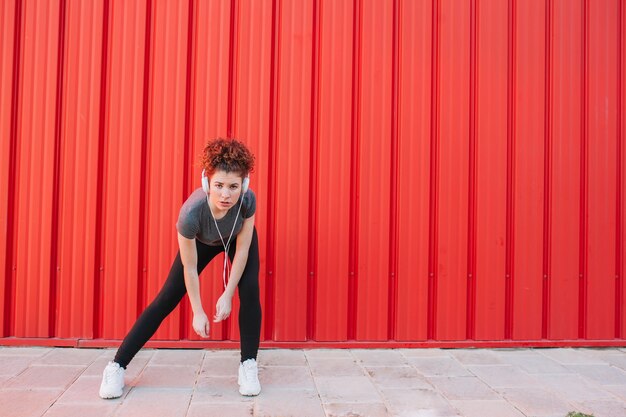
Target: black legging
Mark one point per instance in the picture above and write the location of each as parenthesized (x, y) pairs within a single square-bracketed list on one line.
[(174, 289)]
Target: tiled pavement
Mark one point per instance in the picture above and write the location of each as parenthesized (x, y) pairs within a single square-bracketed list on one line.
[(63, 382)]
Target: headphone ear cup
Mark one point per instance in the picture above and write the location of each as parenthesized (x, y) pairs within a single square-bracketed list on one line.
[(205, 183), (246, 184)]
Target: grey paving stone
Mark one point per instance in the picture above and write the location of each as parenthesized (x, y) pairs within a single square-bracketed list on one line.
[(615, 359), (325, 366), (397, 377), (197, 409), (503, 376), (569, 356), (27, 402), (67, 356), (601, 374), (463, 388), (83, 390), (602, 408), (379, 357), (347, 389), (45, 376), (287, 377), (180, 357), (356, 410), (619, 391), (155, 402), (403, 401), (220, 389), (299, 403), (12, 365), (475, 357), (438, 366), (216, 366), (486, 408), (328, 353), (536, 401), (24, 351), (167, 376), (425, 352), (101, 409), (536, 364), (133, 370), (282, 357), (574, 387)]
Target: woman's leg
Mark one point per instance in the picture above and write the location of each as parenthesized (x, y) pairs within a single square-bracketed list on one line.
[(250, 304), (164, 303)]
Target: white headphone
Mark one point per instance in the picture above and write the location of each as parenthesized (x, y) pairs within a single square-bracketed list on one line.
[(205, 183), (244, 188)]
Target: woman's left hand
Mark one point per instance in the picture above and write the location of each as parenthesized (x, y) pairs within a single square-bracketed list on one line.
[(223, 307)]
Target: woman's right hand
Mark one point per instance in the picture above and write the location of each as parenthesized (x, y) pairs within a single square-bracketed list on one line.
[(201, 324)]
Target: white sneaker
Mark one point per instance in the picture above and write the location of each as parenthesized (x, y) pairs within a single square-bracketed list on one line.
[(112, 385), (249, 378)]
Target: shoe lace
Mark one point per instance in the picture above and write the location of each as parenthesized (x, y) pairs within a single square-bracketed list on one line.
[(250, 371)]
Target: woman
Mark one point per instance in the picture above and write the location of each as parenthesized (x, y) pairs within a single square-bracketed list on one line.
[(210, 221)]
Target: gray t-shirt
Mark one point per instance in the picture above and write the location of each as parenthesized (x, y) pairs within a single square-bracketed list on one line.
[(195, 219)]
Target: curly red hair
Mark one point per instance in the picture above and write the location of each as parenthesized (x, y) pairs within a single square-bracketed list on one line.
[(228, 155)]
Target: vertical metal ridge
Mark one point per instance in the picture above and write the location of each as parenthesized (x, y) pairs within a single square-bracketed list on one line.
[(394, 203), (271, 180), (510, 191), (99, 256), (471, 220), (9, 295), (582, 307), (142, 251), (434, 167), (232, 43), (619, 287), (55, 216), (183, 327), (357, 17), (547, 177), (313, 174)]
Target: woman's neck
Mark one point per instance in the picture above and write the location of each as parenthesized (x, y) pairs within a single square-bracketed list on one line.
[(215, 212)]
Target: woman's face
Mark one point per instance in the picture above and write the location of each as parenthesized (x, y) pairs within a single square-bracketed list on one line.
[(225, 189)]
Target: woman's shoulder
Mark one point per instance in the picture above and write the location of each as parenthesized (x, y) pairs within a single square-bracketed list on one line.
[(195, 201)]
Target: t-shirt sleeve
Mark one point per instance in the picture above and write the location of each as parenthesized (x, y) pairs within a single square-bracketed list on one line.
[(187, 225), (249, 204)]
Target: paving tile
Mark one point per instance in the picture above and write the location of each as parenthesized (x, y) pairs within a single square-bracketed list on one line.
[(323, 366), (224, 353), (574, 387), (197, 409), (45, 376), (81, 410), (167, 376), (602, 374), (12, 365), (347, 389), (397, 377), (407, 401), (486, 408), (356, 410), (436, 366), (602, 408), (216, 366), (536, 402), (380, 357), (328, 353), (299, 403), (27, 402), (503, 376), (24, 351), (180, 357), (287, 377), (155, 402), (475, 357), (425, 353), (536, 364), (618, 391), (463, 388), (282, 357), (133, 370), (220, 389), (570, 356), (616, 359), (67, 356), (83, 390)]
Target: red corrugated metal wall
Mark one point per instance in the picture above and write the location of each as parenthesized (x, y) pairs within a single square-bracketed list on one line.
[(437, 172)]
